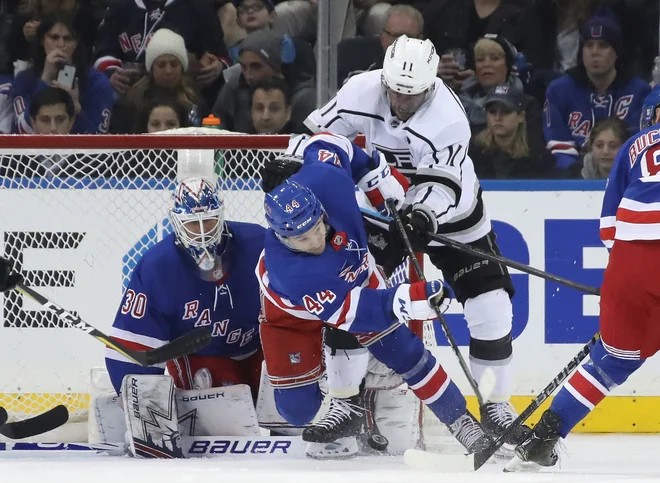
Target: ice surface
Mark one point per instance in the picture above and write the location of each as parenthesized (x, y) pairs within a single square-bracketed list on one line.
[(590, 459)]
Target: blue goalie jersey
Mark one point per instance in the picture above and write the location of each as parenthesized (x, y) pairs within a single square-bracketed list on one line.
[(166, 298)]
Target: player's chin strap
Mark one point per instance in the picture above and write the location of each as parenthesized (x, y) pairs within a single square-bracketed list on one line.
[(372, 215)]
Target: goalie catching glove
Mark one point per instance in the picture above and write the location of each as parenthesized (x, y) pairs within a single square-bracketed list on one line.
[(8, 280), (419, 301), (382, 183)]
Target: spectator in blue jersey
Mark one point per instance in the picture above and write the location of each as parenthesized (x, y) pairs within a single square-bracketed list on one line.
[(263, 54), (504, 150), (494, 66), (58, 43), (128, 25), (52, 111), (598, 88), (166, 77)]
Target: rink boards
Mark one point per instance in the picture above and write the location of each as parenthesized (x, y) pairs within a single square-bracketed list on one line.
[(550, 225)]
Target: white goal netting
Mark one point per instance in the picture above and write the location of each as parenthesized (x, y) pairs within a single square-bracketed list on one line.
[(76, 214)]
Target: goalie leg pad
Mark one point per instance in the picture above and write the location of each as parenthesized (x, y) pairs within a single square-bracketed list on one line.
[(217, 411), (151, 416), (109, 418)]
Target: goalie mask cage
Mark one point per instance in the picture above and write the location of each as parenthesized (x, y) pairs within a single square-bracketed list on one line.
[(76, 214)]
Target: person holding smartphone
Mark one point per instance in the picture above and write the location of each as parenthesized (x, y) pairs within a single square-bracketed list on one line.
[(60, 61)]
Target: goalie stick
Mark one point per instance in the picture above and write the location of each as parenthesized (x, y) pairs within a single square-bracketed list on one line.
[(42, 423), (186, 344), (492, 257)]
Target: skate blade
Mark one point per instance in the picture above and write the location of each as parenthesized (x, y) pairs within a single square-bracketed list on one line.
[(516, 465), (343, 448), (446, 463)]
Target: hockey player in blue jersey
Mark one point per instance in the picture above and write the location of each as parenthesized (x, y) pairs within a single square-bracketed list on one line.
[(598, 88), (316, 270), (630, 293), (199, 276)]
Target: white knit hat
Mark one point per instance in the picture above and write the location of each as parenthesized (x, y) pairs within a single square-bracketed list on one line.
[(164, 41)]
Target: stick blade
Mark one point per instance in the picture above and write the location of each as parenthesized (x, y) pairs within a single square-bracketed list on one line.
[(446, 463), (51, 419), (188, 343)]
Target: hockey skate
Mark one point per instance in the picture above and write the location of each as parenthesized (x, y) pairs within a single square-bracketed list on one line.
[(496, 419), (335, 435), (540, 446), (469, 432)]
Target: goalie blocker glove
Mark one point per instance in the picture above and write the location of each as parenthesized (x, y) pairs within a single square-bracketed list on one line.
[(8, 280)]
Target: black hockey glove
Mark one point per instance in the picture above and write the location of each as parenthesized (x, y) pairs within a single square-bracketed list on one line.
[(419, 224), (277, 171), (8, 280)]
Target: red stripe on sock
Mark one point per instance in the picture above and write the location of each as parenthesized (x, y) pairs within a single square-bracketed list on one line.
[(432, 386), (590, 392)]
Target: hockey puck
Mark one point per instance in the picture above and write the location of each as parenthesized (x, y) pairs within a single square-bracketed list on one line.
[(378, 442)]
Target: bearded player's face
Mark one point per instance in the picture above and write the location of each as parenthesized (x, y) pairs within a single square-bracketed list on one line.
[(405, 105)]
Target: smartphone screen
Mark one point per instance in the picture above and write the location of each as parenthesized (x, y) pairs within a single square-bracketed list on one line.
[(66, 76)]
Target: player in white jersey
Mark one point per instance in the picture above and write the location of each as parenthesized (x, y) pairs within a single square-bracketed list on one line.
[(411, 116)]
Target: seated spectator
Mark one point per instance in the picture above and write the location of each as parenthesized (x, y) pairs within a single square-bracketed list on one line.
[(598, 88), (263, 54), (255, 15), (58, 44), (166, 64), (605, 139), (556, 25), (52, 111), (504, 150), (460, 23), (127, 24), (161, 115), (493, 66), (23, 31), (360, 54), (271, 107)]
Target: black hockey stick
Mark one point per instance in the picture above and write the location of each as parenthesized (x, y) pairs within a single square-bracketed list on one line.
[(494, 258), (443, 323), (184, 345), (481, 458), (42, 423)]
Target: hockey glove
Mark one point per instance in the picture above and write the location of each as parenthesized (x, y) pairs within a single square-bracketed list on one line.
[(416, 301), (420, 224), (277, 171), (8, 280), (383, 182)]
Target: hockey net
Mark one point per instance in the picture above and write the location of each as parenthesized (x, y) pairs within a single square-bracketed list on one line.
[(77, 213)]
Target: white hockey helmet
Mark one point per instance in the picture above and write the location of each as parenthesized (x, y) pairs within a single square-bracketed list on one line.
[(410, 66)]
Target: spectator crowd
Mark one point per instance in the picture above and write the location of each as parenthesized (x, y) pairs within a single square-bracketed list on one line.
[(551, 88)]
